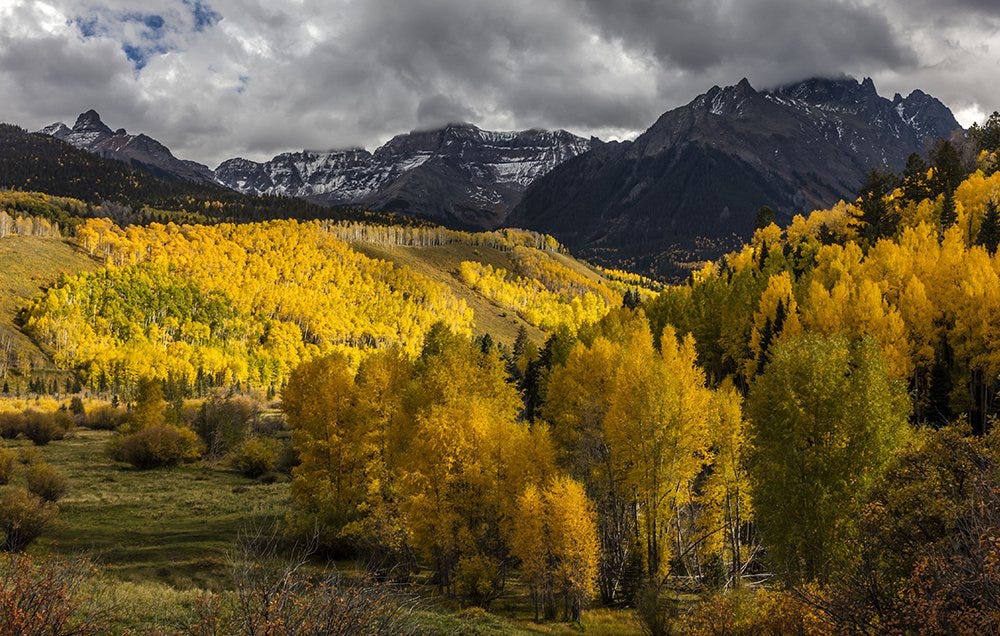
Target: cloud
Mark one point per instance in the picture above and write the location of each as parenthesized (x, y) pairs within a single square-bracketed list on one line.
[(219, 78)]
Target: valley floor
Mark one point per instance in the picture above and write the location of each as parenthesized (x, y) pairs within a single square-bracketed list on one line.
[(160, 539)]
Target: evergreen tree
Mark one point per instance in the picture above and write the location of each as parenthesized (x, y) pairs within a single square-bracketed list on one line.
[(948, 213), (948, 171), (914, 182), (631, 299), (765, 217), (989, 231), (875, 213), (987, 136), (486, 343)]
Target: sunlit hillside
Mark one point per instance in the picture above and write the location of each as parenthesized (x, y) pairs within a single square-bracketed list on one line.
[(226, 304)]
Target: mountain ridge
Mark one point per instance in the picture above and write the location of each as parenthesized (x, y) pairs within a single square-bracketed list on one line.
[(689, 187), (459, 174), (90, 133), (685, 190)]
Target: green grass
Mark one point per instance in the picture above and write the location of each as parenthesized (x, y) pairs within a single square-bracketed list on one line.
[(477, 622), (171, 525), (161, 537)]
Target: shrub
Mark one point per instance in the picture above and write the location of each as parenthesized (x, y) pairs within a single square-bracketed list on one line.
[(288, 458), (23, 517), (270, 425), (8, 460), (274, 596), (28, 455), (656, 611), (224, 422), (76, 407), (11, 425), (41, 428), (47, 481), (48, 598), (757, 611), (105, 418), (477, 578), (255, 457), (158, 445)]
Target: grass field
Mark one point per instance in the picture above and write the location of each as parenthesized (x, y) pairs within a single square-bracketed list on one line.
[(160, 538), (170, 525)]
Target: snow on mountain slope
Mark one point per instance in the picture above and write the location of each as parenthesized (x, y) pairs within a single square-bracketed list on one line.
[(458, 174)]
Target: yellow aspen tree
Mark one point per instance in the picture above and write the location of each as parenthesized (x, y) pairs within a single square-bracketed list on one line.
[(657, 426), (529, 545), (724, 500), (328, 482), (573, 543)]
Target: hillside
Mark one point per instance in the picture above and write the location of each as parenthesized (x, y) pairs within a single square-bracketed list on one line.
[(221, 304), (442, 264), (30, 264)]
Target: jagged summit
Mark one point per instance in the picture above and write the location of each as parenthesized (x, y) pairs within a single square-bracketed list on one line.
[(90, 121), (459, 174), (690, 186), (92, 134)]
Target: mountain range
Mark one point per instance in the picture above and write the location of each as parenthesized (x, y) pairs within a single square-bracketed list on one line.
[(459, 175), (690, 186), (686, 189), (93, 135)]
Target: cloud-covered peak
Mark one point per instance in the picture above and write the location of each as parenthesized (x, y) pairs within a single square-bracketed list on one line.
[(220, 78)]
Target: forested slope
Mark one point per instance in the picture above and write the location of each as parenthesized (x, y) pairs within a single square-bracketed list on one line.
[(207, 305)]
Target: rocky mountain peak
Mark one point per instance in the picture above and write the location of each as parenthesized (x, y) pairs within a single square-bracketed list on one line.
[(58, 130), (822, 90), (688, 188), (90, 122), (925, 114), (90, 133)]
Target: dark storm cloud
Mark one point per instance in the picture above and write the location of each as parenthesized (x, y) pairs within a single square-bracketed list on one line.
[(780, 39), (438, 110), (217, 78)]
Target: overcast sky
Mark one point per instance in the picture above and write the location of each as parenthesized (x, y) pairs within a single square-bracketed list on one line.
[(214, 79)]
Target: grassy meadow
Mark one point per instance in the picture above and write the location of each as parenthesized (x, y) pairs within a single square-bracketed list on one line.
[(161, 538)]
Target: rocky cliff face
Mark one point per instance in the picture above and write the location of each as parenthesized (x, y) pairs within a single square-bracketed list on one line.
[(690, 186), (458, 175)]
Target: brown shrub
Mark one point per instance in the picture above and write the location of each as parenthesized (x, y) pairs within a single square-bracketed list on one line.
[(158, 445), (42, 428), (23, 517), (255, 457), (47, 481), (47, 598), (11, 425), (8, 460), (105, 418)]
